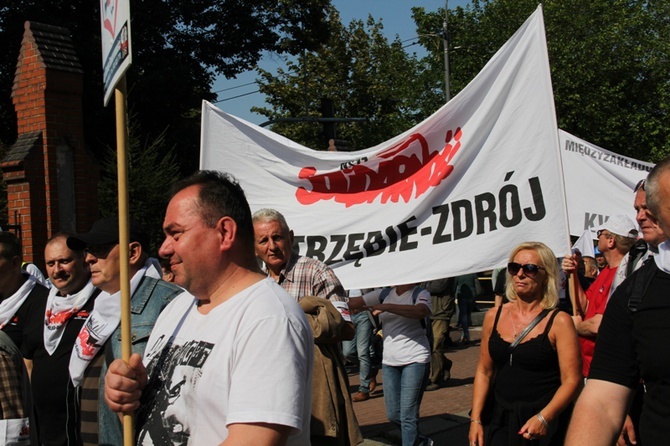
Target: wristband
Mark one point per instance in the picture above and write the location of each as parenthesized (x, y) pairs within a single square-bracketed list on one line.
[(542, 420), (477, 422)]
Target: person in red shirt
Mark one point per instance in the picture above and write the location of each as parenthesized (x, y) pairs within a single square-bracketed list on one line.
[(615, 238)]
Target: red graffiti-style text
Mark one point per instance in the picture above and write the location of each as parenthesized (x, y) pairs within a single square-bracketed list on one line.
[(397, 177)]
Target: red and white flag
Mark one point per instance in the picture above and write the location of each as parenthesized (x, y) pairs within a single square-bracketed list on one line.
[(452, 195)]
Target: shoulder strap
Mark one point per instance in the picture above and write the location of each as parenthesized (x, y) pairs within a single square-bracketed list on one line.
[(641, 280), (550, 322), (636, 252), (527, 330), (384, 294), (498, 313)]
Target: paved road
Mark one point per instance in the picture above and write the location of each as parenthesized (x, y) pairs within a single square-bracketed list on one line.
[(444, 412)]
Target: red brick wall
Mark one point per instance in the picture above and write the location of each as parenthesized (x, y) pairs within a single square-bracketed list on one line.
[(48, 100)]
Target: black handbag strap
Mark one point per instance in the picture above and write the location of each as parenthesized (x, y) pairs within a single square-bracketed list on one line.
[(527, 330)]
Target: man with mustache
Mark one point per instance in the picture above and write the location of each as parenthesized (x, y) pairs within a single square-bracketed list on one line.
[(51, 331)]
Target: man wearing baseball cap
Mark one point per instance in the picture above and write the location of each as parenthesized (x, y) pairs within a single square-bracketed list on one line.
[(99, 340), (615, 238)]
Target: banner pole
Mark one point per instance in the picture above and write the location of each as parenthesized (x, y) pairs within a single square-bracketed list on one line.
[(124, 252), (572, 281)]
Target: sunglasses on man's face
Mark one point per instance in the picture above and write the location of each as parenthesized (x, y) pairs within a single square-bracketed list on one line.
[(100, 251), (529, 269)]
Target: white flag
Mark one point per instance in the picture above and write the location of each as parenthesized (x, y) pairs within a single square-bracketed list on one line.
[(585, 244), (451, 196)]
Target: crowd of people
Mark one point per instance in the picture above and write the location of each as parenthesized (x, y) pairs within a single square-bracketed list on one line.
[(238, 339)]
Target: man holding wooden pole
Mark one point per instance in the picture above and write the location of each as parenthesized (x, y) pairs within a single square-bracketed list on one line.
[(234, 365), (615, 238)]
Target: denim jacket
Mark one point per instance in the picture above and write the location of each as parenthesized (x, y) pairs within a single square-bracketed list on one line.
[(150, 298)]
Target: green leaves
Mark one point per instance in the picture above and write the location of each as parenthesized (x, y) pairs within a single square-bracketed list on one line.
[(178, 49), (609, 64), (361, 72)]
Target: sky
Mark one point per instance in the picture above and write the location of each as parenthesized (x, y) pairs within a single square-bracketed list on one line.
[(237, 96)]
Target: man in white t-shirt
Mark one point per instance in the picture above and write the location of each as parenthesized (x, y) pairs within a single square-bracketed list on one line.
[(232, 365)]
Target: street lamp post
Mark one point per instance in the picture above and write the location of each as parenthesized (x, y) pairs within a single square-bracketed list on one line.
[(445, 30)]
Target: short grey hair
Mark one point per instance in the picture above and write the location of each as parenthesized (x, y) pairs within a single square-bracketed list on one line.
[(267, 215), (651, 185)]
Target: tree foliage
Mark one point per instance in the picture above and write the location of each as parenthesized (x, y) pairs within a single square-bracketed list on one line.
[(609, 63), (152, 168), (178, 49), (360, 71)]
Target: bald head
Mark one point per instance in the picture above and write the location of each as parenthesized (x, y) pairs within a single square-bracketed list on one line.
[(657, 190)]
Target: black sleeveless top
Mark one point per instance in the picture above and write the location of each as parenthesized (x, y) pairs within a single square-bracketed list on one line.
[(531, 374), (524, 383)]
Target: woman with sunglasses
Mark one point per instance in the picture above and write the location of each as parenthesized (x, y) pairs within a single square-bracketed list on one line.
[(529, 364)]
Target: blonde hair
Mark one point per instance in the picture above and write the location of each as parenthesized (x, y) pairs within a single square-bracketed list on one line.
[(550, 265)]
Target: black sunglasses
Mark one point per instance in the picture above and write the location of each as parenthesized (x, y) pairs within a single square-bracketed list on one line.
[(640, 185), (100, 251), (529, 269)]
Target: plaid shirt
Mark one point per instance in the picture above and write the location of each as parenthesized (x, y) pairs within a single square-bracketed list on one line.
[(304, 276), (11, 390)]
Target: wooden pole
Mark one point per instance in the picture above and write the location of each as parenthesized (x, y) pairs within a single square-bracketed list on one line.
[(124, 236), (572, 282)]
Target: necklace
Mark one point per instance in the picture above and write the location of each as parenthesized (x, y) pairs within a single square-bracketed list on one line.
[(516, 330)]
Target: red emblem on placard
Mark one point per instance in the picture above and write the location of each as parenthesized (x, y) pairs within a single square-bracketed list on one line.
[(407, 169), (109, 11)]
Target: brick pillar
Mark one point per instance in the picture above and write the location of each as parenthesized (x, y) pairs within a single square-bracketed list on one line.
[(51, 178)]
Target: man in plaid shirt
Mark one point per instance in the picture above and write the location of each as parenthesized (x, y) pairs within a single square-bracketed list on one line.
[(303, 276), (299, 275), (14, 394)]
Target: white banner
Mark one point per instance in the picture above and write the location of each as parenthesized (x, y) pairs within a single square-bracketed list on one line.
[(451, 196), (116, 45), (598, 183)]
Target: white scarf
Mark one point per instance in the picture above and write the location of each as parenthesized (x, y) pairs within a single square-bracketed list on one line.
[(102, 322), (59, 310), (662, 259), (10, 305)]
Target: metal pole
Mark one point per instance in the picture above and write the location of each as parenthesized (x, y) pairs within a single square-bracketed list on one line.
[(447, 88)]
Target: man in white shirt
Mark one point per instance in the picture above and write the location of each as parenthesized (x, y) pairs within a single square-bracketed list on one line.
[(200, 382)]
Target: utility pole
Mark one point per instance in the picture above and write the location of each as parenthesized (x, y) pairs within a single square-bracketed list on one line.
[(445, 30)]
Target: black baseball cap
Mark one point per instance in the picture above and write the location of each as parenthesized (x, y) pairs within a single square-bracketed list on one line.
[(106, 231)]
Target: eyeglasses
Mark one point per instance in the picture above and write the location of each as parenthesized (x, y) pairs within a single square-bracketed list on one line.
[(529, 269), (602, 232), (640, 185)]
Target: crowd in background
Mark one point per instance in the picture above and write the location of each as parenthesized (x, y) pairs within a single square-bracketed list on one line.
[(228, 299)]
